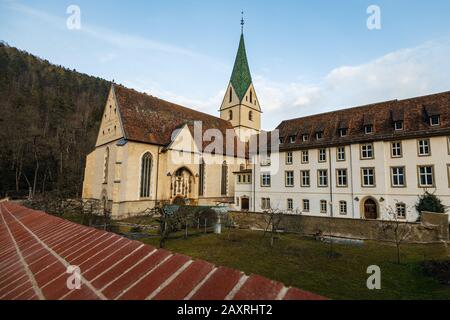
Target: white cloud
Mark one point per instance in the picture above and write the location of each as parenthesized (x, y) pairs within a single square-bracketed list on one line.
[(401, 74)]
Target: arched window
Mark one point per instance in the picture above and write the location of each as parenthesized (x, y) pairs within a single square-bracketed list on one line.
[(224, 180), (230, 115), (146, 171), (250, 115), (251, 96), (231, 95), (105, 166)]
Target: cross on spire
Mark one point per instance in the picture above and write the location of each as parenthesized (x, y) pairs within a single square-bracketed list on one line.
[(242, 21)]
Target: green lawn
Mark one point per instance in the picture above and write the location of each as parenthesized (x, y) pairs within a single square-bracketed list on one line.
[(304, 263)]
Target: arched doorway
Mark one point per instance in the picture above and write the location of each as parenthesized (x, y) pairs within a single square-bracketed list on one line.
[(370, 209), (245, 203), (182, 185)]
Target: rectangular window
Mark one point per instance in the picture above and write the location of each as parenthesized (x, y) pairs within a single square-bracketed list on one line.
[(305, 137), (448, 145), (367, 151), (343, 208), (290, 204), (322, 177), (368, 129), (400, 210), (396, 149), (426, 176), (322, 155), (341, 154), (305, 156), (239, 178), (341, 177), (424, 147), (398, 125), (323, 206), (448, 174), (435, 120), (249, 178), (368, 177), (289, 178), (289, 158), (319, 135), (265, 203), (305, 178), (237, 201), (265, 179), (305, 205), (398, 177)]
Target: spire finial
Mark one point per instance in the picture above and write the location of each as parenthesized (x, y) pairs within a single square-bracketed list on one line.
[(242, 21)]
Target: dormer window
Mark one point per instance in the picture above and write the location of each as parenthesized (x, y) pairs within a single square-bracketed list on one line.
[(435, 120), (368, 129), (291, 139), (398, 125), (319, 135), (343, 132), (305, 137), (281, 139)]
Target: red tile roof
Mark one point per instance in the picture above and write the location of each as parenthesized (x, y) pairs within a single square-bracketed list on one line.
[(414, 113), (36, 249), (151, 120)]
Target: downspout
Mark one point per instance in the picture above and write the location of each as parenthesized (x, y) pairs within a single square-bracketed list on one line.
[(254, 186), (351, 183), (157, 176), (331, 183)]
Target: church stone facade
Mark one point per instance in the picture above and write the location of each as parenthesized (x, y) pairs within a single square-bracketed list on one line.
[(147, 153)]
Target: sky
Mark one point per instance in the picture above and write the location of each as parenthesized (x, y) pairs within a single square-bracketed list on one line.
[(306, 57)]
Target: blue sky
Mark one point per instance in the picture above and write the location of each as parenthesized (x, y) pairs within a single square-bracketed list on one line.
[(305, 56)]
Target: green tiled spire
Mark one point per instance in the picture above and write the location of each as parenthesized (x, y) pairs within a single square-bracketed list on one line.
[(241, 78)]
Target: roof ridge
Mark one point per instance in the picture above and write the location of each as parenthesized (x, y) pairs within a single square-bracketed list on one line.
[(172, 103), (366, 106)]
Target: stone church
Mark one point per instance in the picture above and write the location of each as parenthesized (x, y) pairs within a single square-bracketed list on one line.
[(147, 154)]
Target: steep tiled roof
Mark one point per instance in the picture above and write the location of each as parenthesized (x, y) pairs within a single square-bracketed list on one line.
[(151, 120), (414, 113), (241, 77), (36, 249)]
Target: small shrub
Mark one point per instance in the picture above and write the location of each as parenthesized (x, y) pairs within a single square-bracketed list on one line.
[(430, 202), (440, 270), (136, 229)]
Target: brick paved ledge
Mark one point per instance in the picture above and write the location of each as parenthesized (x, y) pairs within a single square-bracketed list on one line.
[(36, 248)]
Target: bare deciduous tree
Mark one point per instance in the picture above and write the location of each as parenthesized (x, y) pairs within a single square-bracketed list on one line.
[(399, 227)]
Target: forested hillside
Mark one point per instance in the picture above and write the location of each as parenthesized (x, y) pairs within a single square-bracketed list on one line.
[(49, 117)]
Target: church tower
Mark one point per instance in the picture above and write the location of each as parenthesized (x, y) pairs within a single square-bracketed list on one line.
[(240, 105)]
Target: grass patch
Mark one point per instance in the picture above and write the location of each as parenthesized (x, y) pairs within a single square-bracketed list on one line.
[(306, 263)]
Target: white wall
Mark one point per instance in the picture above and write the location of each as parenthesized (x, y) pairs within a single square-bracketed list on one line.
[(385, 195)]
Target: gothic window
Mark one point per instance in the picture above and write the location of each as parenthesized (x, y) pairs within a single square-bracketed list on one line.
[(146, 171), (201, 184), (105, 166), (251, 96), (224, 180), (231, 95)]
